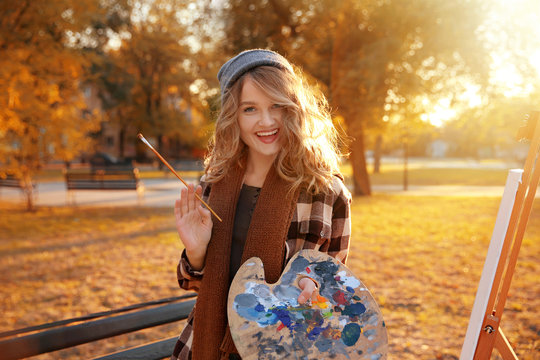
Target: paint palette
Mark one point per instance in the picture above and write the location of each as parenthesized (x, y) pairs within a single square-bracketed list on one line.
[(267, 322)]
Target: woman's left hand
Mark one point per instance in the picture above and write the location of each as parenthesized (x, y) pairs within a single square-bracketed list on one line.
[(309, 290)]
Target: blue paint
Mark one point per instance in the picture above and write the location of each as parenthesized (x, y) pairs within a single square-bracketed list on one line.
[(262, 318), (288, 278), (324, 345), (285, 293), (355, 309), (262, 291), (350, 334), (307, 329), (314, 333), (299, 264), (283, 315), (246, 300), (248, 306)]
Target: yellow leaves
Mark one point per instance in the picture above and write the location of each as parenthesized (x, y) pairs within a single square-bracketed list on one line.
[(10, 122), (13, 98), (173, 89), (93, 259), (53, 94)]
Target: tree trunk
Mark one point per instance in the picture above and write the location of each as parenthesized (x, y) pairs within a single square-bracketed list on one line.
[(160, 150), (361, 182), (28, 191), (339, 96)]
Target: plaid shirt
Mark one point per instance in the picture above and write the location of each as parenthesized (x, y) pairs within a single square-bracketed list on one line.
[(321, 222)]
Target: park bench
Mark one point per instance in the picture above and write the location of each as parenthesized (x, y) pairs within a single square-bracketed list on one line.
[(190, 165), (14, 182), (104, 179), (45, 338)]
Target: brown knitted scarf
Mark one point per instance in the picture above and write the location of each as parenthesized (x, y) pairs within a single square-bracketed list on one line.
[(265, 239)]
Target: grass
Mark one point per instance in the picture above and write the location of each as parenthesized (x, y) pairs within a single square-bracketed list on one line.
[(444, 172), (425, 176), (421, 257)]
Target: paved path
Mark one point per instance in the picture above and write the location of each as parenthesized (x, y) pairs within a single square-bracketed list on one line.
[(163, 192)]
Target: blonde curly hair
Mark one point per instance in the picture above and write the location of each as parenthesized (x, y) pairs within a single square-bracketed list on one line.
[(310, 155)]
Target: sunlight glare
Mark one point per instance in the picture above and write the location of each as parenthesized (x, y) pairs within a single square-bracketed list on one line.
[(442, 111)]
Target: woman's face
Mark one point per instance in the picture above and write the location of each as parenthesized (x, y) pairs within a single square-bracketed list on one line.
[(260, 122)]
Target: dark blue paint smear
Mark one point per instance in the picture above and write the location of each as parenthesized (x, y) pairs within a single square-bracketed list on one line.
[(314, 333), (283, 315), (350, 334), (327, 270), (299, 264), (355, 309)]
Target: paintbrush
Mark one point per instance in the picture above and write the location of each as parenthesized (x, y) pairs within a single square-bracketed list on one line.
[(140, 136)]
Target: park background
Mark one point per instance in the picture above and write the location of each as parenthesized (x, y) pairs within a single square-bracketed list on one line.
[(406, 81)]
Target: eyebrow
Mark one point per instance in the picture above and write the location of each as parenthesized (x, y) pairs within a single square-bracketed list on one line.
[(248, 103)]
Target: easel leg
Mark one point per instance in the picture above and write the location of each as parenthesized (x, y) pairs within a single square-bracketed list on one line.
[(504, 347)]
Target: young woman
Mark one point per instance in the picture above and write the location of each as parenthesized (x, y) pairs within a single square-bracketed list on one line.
[(272, 174)]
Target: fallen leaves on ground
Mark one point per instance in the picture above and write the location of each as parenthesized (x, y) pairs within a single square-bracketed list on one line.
[(421, 257)]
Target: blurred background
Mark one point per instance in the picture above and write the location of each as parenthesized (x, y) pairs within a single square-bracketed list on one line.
[(403, 78), (406, 80)]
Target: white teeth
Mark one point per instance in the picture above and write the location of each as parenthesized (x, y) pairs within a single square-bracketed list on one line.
[(267, 133)]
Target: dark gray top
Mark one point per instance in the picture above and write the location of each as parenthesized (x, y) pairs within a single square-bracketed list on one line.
[(244, 210)]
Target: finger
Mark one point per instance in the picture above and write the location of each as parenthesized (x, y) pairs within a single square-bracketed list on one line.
[(308, 290), (302, 298), (197, 203), (205, 214), (177, 213), (305, 295), (184, 202), (190, 198)]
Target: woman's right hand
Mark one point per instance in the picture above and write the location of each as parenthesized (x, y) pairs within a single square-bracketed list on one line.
[(194, 225)]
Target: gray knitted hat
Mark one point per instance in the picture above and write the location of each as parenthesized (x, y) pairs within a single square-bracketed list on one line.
[(247, 60)]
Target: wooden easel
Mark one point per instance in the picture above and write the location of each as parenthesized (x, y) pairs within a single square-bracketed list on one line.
[(498, 270)]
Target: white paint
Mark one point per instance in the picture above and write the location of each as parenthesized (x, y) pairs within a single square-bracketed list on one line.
[(348, 280), (490, 266)]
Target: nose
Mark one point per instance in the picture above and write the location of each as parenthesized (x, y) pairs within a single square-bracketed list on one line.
[(267, 118)]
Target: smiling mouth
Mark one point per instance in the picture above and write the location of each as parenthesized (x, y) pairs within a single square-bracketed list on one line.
[(267, 133)]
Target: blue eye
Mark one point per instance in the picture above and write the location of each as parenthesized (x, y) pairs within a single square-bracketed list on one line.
[(277, 106), (249, 109)]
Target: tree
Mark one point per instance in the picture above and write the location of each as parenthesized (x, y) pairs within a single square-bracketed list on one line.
[(489, 131), (147, 83), (43, 113), (372, 57)]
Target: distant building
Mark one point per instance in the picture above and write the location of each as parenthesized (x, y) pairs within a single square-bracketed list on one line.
[(438, 148), (110, 136)]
